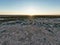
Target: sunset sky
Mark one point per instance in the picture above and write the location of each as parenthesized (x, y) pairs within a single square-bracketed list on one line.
[(33, 7)]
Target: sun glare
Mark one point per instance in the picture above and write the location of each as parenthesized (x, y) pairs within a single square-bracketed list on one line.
[(30, 11)]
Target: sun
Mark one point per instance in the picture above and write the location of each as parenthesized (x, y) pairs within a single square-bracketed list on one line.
[(30, 11)]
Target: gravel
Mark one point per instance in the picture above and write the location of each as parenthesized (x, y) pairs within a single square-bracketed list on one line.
[(35, 31)]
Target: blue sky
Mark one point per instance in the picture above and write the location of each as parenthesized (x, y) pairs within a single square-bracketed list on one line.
[(21, 6)]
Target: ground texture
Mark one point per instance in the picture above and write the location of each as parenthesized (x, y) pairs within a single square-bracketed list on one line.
[(29, 31)]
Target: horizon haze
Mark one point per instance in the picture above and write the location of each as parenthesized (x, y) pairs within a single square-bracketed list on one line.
[(29, 7)]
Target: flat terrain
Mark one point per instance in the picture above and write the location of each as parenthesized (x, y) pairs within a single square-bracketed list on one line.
[(25, 30)]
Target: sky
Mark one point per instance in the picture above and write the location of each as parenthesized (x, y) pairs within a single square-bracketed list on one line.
[(30, 7)]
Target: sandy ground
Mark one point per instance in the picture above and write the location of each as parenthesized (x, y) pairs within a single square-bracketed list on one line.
[(37, 31)]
